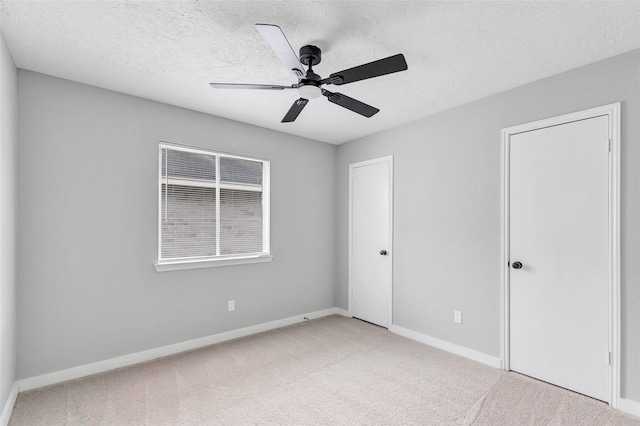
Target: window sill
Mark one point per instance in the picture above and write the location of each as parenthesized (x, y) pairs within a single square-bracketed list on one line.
[(196, 264)]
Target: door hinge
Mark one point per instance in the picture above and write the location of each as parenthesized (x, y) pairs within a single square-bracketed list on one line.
[(609, 144), (609, 358)]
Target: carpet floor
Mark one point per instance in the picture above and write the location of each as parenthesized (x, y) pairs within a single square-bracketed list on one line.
[(329, 371)]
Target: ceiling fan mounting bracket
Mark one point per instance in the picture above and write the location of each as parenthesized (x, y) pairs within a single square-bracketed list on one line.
[(310, 55)]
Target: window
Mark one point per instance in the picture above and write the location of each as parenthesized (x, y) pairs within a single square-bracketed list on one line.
[(212, 207)]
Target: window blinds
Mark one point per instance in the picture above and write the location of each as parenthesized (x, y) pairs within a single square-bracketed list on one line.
[(211, 205)]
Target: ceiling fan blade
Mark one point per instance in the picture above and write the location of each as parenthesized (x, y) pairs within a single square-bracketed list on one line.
[(372, 69), (295, 110), (278, 42), (350, 103), (251, 86)]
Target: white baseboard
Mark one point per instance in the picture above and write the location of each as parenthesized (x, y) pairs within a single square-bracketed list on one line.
[(8, 407), (342, 312), (447, 346), (629, 406), (136, 358)]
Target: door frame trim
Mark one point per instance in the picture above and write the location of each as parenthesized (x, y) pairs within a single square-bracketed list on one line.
[(386, 159), (612, 111)]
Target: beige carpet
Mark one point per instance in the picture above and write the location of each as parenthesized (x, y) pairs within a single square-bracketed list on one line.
[(330, 371)]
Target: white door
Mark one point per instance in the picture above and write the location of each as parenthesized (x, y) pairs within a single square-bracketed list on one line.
[(370, 256), (559, 308)]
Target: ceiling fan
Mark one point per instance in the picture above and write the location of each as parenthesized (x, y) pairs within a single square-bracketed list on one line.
[(309, 83)]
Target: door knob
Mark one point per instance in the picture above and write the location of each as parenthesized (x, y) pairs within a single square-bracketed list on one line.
[(383, 252), (516, 265)]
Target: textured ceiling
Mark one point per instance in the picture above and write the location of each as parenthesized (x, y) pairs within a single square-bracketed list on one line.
[(457, 52)]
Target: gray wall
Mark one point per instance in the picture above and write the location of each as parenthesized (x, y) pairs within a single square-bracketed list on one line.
[(447, 206), (8, 204), (88, 171)]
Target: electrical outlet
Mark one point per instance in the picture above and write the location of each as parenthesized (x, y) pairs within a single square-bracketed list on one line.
[(457, 317), (232, 305)]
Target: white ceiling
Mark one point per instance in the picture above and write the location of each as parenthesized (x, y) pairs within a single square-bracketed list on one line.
[(457, 52)]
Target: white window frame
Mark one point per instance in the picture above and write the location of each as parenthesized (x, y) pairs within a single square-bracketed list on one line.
[(207, 262)]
